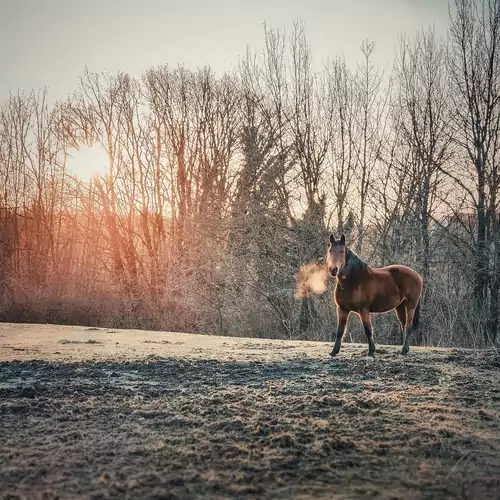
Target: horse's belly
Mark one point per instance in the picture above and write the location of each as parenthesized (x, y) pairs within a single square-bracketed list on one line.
[(378, 296), (384, 303)]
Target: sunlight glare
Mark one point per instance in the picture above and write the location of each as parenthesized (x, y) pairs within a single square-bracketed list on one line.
[(86, 162)]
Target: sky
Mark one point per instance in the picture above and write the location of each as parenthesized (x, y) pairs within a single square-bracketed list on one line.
[(48, 43)]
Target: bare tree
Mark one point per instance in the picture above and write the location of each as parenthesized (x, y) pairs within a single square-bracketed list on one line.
[(341, 153), (474, 65), (94, 114), (371, 122), (422, 104)]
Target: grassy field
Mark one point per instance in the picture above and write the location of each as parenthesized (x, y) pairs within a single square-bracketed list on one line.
[(96, 413)]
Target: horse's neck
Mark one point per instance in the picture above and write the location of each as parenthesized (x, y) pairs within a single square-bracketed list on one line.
[(354, 264)]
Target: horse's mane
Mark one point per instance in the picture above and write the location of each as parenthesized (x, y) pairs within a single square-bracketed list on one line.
[(354, 262)]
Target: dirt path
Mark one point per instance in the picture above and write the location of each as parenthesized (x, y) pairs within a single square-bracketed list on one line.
[(88, 413)]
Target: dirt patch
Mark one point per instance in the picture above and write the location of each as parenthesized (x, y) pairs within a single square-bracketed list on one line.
[(161, 342), (290, 423), (90, 341)]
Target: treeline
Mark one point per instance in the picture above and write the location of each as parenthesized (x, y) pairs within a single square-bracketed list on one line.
[(218, 187)]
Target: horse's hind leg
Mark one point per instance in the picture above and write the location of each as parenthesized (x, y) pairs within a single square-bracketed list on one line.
[(410, 313), (401, 312), (367, 323)]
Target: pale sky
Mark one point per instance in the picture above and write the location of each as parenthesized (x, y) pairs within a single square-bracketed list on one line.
[(49, 42)]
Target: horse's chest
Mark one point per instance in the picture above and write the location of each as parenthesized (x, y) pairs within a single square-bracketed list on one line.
[(348, 297)]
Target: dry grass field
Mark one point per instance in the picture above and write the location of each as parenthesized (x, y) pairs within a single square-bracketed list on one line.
[(96, 413)]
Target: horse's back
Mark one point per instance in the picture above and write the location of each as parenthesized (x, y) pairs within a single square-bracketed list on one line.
[(402, 272), (407, 279)]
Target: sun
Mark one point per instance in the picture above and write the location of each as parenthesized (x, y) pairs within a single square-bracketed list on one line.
[(86, 162)]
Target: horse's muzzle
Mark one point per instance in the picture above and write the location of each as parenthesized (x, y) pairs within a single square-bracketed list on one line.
[(334, 271)]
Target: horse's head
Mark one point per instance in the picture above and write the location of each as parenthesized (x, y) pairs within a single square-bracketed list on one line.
[(335, 255)]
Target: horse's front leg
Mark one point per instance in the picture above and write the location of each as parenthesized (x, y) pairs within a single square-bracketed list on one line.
[(367, 323), (342, 316)]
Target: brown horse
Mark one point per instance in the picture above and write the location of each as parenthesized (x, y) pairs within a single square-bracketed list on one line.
[(365, 290)]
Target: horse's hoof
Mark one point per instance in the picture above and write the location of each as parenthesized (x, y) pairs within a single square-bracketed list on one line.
[(371, 354), (404, 351), (334, 353)]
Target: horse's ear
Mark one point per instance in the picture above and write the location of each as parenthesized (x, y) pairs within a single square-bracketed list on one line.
[(332, 239), (342, 240)]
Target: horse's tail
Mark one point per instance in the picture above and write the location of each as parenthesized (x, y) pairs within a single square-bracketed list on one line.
[(416, 316)]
